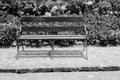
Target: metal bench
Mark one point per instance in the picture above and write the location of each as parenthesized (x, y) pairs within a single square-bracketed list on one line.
[(52, 28)]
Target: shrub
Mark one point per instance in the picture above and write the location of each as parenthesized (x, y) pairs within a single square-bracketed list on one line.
[(103, 29), (9, 26), (8, 37)]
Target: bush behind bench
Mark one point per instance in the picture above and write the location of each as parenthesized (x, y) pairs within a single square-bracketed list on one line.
[(99, 33)]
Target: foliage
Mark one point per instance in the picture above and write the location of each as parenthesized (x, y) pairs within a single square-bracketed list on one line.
[(103, 25), (9, 26), (103, 30)]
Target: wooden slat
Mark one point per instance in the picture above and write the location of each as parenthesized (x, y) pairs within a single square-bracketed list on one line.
[(67, 19), (56, 29), (36, 19), (51, 37), (52, 19)]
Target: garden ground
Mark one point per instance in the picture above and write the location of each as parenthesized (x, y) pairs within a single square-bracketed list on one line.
[(97, 57), (63, 76)]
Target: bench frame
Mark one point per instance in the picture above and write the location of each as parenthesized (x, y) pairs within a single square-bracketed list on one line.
[(52, 19)]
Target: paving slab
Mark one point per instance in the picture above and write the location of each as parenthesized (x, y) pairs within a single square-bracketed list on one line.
[(97, 57), (63, 76)]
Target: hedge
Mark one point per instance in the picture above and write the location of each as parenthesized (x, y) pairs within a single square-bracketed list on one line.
[(104, 29), (100, 32)]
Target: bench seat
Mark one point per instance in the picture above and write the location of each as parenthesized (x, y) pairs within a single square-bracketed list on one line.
[(51, 37)]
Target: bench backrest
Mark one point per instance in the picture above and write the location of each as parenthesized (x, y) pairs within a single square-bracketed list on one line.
[(52, 20)]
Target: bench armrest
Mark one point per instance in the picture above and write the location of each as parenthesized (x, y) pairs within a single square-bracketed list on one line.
[(86, 31), (18, 32)]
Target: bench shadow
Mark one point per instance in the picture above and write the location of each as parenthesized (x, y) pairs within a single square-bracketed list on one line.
[(51, 54)]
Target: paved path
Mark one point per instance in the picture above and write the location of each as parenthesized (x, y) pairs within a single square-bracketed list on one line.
[(63, 76), (98, 56)]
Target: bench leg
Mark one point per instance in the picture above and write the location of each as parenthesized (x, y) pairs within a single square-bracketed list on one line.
[(17, 50), (84, 45), (52, 46), (22, 45), (85, 51)]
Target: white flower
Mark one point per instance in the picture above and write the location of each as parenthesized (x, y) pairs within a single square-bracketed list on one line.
[(63, 7), (89, 3), (54, 9), (48, 14)]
